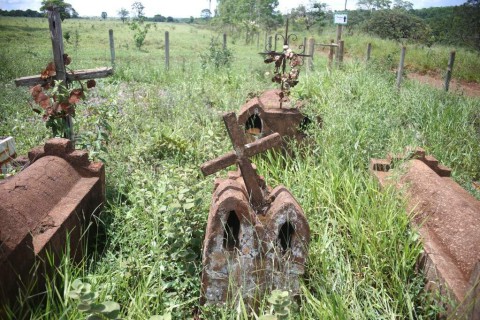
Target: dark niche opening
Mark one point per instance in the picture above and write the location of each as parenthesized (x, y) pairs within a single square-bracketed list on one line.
[(285, 236), (253, 125), (231, 232), (304, 124)]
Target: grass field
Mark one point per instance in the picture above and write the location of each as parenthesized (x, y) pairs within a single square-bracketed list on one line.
[(162, 125)]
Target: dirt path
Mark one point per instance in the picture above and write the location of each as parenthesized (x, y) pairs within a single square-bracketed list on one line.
[(470, 89)]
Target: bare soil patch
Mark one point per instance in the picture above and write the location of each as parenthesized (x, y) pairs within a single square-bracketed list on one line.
[(471, 89)]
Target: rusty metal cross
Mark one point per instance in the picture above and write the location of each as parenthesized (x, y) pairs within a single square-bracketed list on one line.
[(241, 157)]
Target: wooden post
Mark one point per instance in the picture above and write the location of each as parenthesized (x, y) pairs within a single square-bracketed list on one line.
[(311, 50), (265, 43), (339, 33), (258, 40), (449, 70), (224, 41), (400, 67), (341, 46), (331, 53), (269, 43), (167, 50), (369, 50), (339, 37), (112, 47), (275, 43), (55, 25)]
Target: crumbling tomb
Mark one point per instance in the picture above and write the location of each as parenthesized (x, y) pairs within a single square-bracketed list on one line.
[(257, 238), (448, 220), (41, 205), (264, 115)]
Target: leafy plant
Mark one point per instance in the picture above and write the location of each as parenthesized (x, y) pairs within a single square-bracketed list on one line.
[(217, 55), (141, 31), (280, 301), (87, 298), (56, 100)]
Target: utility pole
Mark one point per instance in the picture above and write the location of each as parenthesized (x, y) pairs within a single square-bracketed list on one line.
[(345, 5)]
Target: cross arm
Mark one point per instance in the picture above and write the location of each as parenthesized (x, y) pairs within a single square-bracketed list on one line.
[(251, 149), (71, 76)]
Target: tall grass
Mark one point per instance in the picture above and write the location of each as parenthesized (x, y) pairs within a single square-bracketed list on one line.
[(166, 123)]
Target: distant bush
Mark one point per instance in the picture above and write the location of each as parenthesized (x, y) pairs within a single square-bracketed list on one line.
[(397, 25)]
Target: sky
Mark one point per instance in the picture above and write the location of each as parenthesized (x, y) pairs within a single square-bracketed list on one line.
[(187, 8)]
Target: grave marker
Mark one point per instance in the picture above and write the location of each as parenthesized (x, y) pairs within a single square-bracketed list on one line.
[(256, 239), (55, 26), (447, 219)]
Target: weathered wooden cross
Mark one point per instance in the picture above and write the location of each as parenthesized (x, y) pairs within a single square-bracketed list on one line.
[(241, 157), (55, 25)]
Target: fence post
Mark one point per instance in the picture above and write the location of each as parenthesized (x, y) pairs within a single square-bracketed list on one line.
[(258, 40), (369, 50), (112, 47), (341, 47), (449, 70), (269, 43), (331, 53), (400, 67), (224, 41), (311, 50), (339, 37), (167, 50)]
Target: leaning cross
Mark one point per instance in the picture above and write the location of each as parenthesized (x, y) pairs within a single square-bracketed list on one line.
[(55, 25), (240, 156)]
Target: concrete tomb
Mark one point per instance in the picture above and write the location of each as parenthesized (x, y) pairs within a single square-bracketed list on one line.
[(40, 206), (257, 238), (264, 115), (448, 220)]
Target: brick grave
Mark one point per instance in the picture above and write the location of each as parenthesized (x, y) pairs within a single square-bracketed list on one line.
[(53, 196), (448, 220), (263, 115), (256, 238)]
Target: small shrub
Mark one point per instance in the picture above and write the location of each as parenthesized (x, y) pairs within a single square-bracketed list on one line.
[(216, 56)]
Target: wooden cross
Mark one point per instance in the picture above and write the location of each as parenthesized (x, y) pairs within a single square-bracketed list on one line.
[(241, 157), (55, 25)]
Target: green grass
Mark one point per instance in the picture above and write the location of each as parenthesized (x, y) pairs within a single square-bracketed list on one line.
[(166, 124)]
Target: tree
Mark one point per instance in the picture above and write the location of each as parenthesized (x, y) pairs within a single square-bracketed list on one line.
[(170, 19), (401, 4), (206, 14), (138, 8), (123, 13), (248, 15), (397, 25), (374, 4), (313, 13), (159, 18), (104, 15), (65, 9)]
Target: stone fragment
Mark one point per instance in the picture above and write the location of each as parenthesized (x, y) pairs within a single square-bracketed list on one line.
[(7, 153)]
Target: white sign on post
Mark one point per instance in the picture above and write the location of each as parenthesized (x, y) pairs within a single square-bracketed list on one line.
[(340, 18)]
